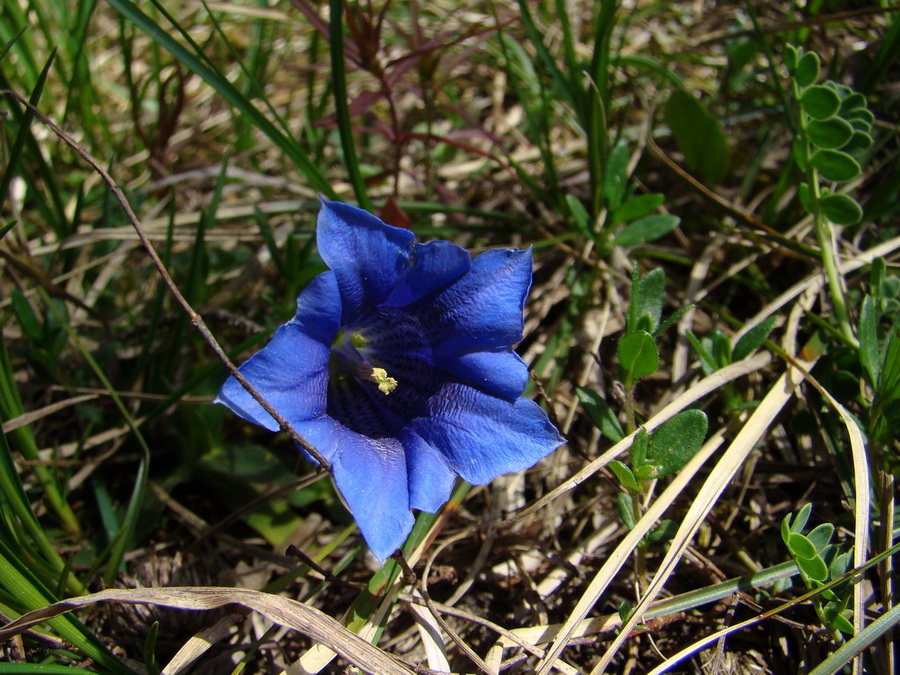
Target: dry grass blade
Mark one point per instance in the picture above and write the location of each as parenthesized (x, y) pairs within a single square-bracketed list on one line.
[(617, 559), (755, 427), (280, 610), (702, 388), (35, 415)]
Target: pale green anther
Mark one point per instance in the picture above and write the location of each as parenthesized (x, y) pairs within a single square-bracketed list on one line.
[(358, 340)]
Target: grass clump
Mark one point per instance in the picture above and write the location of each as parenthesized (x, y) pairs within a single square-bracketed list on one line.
[(711, 195)]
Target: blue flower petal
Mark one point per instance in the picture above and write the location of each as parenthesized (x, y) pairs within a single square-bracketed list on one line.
[(368, 256), (319, 308), (483, 310), (433, 266), (500, 372), (291, 372), (325, 434), (430, 477), (483, 436), (371, 476)]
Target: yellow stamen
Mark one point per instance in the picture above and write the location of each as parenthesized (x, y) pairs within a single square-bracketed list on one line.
[(379, 376)]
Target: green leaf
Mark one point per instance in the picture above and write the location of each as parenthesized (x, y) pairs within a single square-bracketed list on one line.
[(625, 476), (600, 414), (863, 115), (835, 165), (842, 623), (831, 134), (841, 209), (616, 176), (858, 144), (639, 447), (803, 194), (637, 207), (801, 547), (889, 384), (808, 69), (626, 509), (663, 326), (840, 565), (580, 216), (707, 361), (648, 228), (677, 441), (663, 532), (820, 536), (868, 341), (802, 518), (815, 568), (699, 136), (853, 101), (721, 349), (752, 339), (791, 58), (637, 354), (648, 296), (820, 102)]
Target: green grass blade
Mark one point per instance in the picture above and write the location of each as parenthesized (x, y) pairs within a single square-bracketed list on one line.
[(228, 91), (342, 108), (56, 215), (17, 501), (22, 438), (31, 594)]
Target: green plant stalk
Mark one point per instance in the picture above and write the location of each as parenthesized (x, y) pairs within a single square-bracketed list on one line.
[(640, 553), (824, 232)]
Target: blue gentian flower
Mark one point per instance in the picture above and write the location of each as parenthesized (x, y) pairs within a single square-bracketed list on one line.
[(398, 367)]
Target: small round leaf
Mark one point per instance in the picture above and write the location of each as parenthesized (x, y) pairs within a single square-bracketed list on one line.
[(801, 547), (830, 134), (638, 354), (853, 101), (858, 144), (790, 58), (815, 568), (861, 116), (820, 102), (841, 209), (835, 165), (808, 69), (843, 624)]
